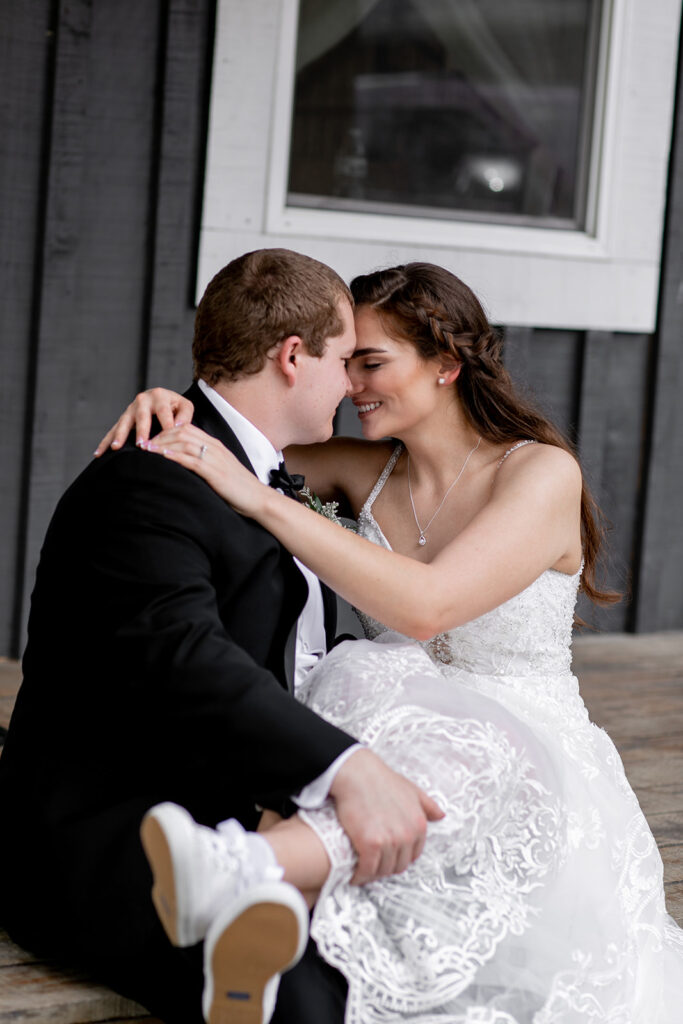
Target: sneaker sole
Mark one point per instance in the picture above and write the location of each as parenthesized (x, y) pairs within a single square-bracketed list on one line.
[(164, 891), (259, 943)]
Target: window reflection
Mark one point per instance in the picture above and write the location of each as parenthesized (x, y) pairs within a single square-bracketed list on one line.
[(463, 108)]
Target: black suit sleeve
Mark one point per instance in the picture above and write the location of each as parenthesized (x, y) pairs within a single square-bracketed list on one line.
[(159, 567)]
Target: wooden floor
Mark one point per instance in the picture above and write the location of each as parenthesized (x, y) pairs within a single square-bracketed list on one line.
[(633, 686)]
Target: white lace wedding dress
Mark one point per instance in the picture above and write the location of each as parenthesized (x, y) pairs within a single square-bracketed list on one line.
[(538, 899)]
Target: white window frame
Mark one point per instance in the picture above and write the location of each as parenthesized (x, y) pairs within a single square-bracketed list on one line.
[(605, 277)]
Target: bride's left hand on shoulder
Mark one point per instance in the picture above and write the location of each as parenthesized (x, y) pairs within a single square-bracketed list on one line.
[(210, 459), (170, 409)]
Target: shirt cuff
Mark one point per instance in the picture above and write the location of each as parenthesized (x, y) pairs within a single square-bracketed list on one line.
[(316, 793)]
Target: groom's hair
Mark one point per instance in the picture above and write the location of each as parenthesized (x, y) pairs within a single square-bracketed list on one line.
[(258, 300)]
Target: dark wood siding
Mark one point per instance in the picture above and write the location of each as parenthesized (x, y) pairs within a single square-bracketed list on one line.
[(102, 167), (660, 556), (26, 58), (101, 163), (594, 385), (93, 254)]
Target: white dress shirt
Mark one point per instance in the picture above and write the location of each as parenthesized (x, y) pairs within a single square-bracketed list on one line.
[(310, 630)]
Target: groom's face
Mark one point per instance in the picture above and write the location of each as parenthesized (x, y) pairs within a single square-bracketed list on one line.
[(322, 382)]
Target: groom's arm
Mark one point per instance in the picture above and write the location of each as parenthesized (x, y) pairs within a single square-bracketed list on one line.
[(231, 714), (155, 539), (384, 815)]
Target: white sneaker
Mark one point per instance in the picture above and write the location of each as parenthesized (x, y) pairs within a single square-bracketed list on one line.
[(247, 948), (199, 870)]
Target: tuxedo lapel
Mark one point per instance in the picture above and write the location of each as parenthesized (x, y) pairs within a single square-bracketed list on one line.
[(207, 417)]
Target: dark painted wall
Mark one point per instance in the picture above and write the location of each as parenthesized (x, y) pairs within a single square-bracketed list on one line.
[(104, 106)]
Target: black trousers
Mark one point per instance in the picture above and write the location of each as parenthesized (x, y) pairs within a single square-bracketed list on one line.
[(170, 984), (85, 914), (311, 993)]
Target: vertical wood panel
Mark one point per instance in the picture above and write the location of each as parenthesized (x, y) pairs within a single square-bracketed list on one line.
[(660, 570), (25, 48), (555, 374), (612, 426), (182, 142), (96, 240), (594, 387)]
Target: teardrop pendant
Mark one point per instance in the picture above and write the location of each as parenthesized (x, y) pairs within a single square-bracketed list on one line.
[(422, 540)]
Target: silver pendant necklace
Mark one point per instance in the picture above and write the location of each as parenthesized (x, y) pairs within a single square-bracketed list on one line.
[(422, 540)]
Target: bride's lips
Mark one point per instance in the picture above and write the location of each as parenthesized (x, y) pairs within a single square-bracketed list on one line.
[(366, 408)]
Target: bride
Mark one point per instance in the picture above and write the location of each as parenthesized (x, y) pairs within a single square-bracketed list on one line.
[(538, 898)]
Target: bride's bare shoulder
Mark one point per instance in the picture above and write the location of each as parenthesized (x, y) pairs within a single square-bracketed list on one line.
[(539, 465), (343, 467)]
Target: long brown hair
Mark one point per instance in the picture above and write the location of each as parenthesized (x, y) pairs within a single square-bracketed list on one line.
[(440, 316)]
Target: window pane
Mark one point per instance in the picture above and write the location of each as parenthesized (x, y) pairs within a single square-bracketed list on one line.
[(447, 108)]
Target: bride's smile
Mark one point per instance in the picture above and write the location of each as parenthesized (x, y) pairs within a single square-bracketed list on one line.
[(394, 388), (364, 409)]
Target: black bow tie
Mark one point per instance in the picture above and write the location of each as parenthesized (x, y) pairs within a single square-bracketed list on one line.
[(283, 481)]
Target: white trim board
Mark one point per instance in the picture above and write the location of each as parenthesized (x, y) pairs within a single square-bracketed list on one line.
[(607, 279)]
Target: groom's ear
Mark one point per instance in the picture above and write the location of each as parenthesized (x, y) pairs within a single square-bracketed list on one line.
[(286, 356)]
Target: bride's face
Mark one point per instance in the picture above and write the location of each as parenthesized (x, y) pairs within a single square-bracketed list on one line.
[(393, 388)]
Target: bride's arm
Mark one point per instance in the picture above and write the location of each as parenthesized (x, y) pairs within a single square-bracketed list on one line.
[(528, 525), (341, 469)]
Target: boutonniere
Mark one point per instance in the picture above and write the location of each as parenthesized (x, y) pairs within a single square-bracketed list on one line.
[(327, 509)]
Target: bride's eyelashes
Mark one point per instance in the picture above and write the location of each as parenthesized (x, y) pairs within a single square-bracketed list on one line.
[(372, 366)]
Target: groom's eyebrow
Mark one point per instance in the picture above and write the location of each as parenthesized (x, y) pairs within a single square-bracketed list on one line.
[(366, 352)]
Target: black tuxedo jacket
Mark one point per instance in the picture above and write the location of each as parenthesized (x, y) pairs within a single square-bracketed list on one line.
[(155, 670)]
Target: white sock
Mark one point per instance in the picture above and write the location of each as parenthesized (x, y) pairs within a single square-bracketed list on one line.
[(262, 860)]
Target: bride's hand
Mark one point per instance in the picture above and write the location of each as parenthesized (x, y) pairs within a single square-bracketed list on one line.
[(210, 459), (170, 408)]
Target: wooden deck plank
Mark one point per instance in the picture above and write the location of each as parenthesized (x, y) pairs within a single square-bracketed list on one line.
[(11, 954), (633, 688), (50, 995)]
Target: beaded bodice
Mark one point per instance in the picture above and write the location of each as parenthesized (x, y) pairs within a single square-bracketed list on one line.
[(529, 635)]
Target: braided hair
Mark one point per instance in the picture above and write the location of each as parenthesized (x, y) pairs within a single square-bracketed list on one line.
[(442, 318)]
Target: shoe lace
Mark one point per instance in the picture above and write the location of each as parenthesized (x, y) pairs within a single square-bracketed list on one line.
[(224, 855), (242, 851)]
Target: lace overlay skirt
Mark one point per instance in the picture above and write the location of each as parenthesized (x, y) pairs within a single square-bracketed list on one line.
[(538, 899)]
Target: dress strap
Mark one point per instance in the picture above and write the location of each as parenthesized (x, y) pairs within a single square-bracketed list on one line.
[(520, 444), (383, 477)]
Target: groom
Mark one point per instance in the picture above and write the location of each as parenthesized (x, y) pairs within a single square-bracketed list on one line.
[(165, 635)]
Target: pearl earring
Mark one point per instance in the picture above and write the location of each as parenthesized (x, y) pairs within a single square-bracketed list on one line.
[(442, 380)]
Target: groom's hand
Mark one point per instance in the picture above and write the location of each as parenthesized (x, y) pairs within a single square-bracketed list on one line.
[(384, 815)]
